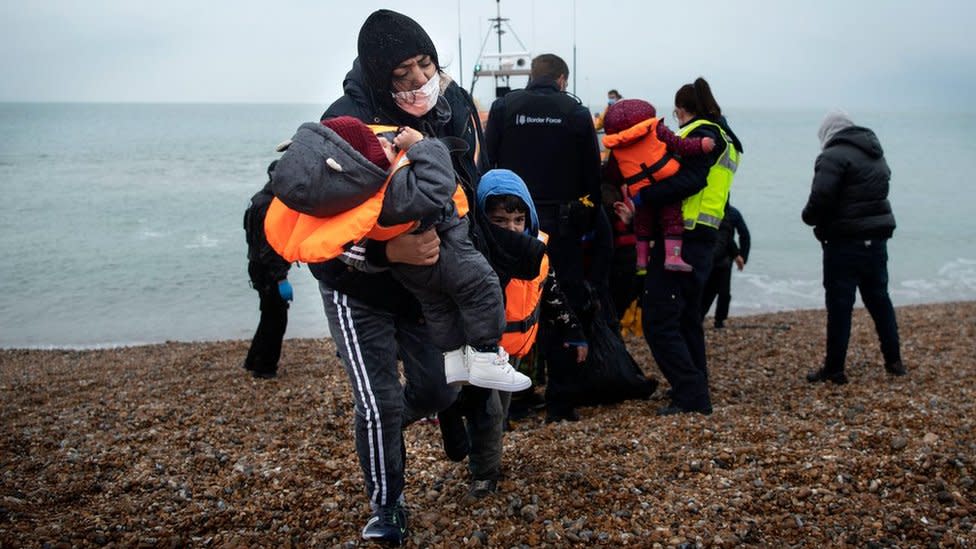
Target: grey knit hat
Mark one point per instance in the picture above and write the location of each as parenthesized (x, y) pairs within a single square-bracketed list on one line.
[(834, 122)]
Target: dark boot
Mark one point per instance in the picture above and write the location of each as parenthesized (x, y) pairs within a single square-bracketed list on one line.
[(674, 410), (838, 378), (896, 368), (561, 412)]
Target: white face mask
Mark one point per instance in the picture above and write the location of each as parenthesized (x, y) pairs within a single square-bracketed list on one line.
[(420, 101)]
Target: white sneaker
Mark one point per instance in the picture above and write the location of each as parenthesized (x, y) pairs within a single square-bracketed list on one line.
[(455, 367), (492, 371)]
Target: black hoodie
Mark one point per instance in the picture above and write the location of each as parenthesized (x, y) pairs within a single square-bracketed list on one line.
[(849, 195)]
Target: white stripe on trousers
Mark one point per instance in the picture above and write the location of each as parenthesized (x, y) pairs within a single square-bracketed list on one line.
[(374, 427)]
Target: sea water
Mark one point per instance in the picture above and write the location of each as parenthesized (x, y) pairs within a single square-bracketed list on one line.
[(122, 222)]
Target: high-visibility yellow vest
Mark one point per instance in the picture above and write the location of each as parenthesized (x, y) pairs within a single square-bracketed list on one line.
[(708, 205)]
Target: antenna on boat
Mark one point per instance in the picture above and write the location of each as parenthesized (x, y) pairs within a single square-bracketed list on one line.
[(574, 47), (460, 52), (502, 66)]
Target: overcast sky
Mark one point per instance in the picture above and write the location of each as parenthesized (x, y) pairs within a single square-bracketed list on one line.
[(892, 55)]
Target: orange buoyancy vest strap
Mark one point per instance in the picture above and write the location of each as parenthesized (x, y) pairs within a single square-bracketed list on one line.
[(460, 199), (302, 237), (641, 156), (382, 128), (523, 300)]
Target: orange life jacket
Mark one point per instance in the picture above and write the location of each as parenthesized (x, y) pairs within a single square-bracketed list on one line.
[(641, 156), (522, 303), (302, 237)]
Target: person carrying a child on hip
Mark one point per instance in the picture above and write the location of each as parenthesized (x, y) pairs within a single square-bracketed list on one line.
[(644, 150), (385, 188)]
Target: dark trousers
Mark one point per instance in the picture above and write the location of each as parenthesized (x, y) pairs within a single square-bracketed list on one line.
[(719, 284), (369, 341), (849, 265), (265, 348), (564, 377), (625, 285), (671, 319), (460, 294), (484, 411), (565, 251)]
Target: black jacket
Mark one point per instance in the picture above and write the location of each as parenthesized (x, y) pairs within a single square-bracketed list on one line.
[(547, 137), (726, 248), (454, 116), (849, 195), (272, 268)]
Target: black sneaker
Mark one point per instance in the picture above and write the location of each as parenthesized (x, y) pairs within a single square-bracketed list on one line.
[(388, 523), (838, 378), (896, 368), (264, 374), (453, 432)]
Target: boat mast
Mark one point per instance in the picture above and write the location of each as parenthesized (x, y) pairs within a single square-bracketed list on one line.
[(460, 51), (502, 66)]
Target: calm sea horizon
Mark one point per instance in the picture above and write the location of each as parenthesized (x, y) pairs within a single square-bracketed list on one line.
[(123, 224)]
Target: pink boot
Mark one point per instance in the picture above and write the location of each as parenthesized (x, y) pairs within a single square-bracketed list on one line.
[(672, 256), (643, 250)]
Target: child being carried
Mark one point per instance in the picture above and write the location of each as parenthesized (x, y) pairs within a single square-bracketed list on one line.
[(361, 186), (644, 148)]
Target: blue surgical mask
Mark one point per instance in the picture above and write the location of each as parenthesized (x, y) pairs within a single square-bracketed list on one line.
[(611, 101)]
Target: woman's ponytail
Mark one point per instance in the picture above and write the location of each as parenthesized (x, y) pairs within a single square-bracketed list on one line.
[(708, 107)]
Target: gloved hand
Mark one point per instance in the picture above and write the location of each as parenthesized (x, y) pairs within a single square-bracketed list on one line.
[(285, 291)]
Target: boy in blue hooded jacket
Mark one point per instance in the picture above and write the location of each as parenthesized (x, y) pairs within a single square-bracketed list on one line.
[(534, 306)]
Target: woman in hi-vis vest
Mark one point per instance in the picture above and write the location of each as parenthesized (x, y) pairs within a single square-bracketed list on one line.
[(671, 315)]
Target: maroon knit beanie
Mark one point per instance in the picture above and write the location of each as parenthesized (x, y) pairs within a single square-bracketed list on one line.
[(625, 113), (359, 137)]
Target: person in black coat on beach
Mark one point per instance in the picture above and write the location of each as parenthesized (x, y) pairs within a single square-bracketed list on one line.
[(727, 252), (671, 303), (269, 276), (546, 136), (851, 217)]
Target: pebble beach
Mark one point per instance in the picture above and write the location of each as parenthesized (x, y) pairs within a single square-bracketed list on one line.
[(174, 445)]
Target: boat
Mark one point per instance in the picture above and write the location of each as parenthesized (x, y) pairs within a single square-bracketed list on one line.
[(500, 65)]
